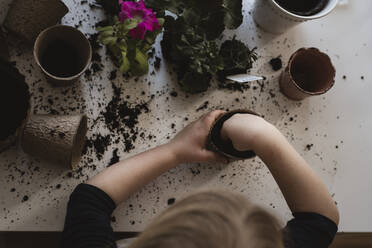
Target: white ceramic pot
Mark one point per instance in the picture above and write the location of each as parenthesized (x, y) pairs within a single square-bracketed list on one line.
[(271, 17)]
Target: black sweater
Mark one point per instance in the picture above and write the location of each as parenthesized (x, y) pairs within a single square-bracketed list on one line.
[(88, 225)]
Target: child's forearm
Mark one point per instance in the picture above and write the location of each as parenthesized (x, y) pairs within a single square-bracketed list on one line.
[(128, 176), (302, 188)]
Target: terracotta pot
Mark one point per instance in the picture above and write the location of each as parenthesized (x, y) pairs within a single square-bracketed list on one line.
[(225, 148), (4, 52), (58, 139), (309, 73), (27, 19), (75, 39)]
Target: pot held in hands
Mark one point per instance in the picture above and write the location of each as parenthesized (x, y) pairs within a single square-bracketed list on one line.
[(57, 139)]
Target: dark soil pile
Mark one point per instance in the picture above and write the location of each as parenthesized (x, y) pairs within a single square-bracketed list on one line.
[(96, 58), (234, 86), (276, 64), (14, 99), (61, 59), (121, 119)]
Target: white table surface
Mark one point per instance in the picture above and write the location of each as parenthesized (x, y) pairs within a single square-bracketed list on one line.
[(340, 118)]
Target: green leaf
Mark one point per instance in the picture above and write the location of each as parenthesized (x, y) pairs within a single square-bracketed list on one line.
[(108, 40), (237, 58), (125, 64), (103, 29), (140, 67), (131, 23), (161, 21), (233, 17)]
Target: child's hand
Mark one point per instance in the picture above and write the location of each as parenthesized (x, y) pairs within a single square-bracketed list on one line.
[(189, 144), (246, 131)]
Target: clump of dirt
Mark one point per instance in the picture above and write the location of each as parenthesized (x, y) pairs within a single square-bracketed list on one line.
[(234, 86), (96, 58), (115, 157), (171, 201), (157, 63), (276, 63), (121, 119), (203, 106)]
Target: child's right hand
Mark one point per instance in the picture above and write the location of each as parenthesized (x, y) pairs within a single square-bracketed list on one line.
[(246, 131)]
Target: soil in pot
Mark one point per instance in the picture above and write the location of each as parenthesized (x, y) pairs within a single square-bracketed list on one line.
[(61, 59), (14, 99), (312, 71), (303, 7)]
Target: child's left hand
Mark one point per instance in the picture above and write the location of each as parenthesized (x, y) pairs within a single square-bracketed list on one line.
[(189, 144)]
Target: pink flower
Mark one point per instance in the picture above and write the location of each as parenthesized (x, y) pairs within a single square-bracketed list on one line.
[(149, 21)]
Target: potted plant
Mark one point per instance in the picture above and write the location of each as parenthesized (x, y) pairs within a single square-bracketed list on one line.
[(130, 35), (191, 40)]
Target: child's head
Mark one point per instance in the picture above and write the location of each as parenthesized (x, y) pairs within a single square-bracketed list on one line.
[(212, 219)]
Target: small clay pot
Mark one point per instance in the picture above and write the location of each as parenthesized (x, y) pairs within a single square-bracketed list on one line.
[(4, 52), (309, 73), (58, 139), (225, 147), (26, 19), (76, 44)]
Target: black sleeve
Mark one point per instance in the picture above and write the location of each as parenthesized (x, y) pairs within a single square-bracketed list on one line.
[(87, 222), (309, 230)]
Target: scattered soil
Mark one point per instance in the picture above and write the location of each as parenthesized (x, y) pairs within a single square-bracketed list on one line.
[(234, 86), (157, 63), (309, 146), (115, 158), (171, 201), (276, 63), (112, 75), (14, 99), (174, 93), (121, 118), (203, 106), (99, 143), (61, 59), (96, 58)]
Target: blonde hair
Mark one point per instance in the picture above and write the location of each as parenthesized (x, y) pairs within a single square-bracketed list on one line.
[(212, 219)]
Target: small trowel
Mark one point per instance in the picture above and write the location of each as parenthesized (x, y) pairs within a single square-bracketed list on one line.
[(244, 78)]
